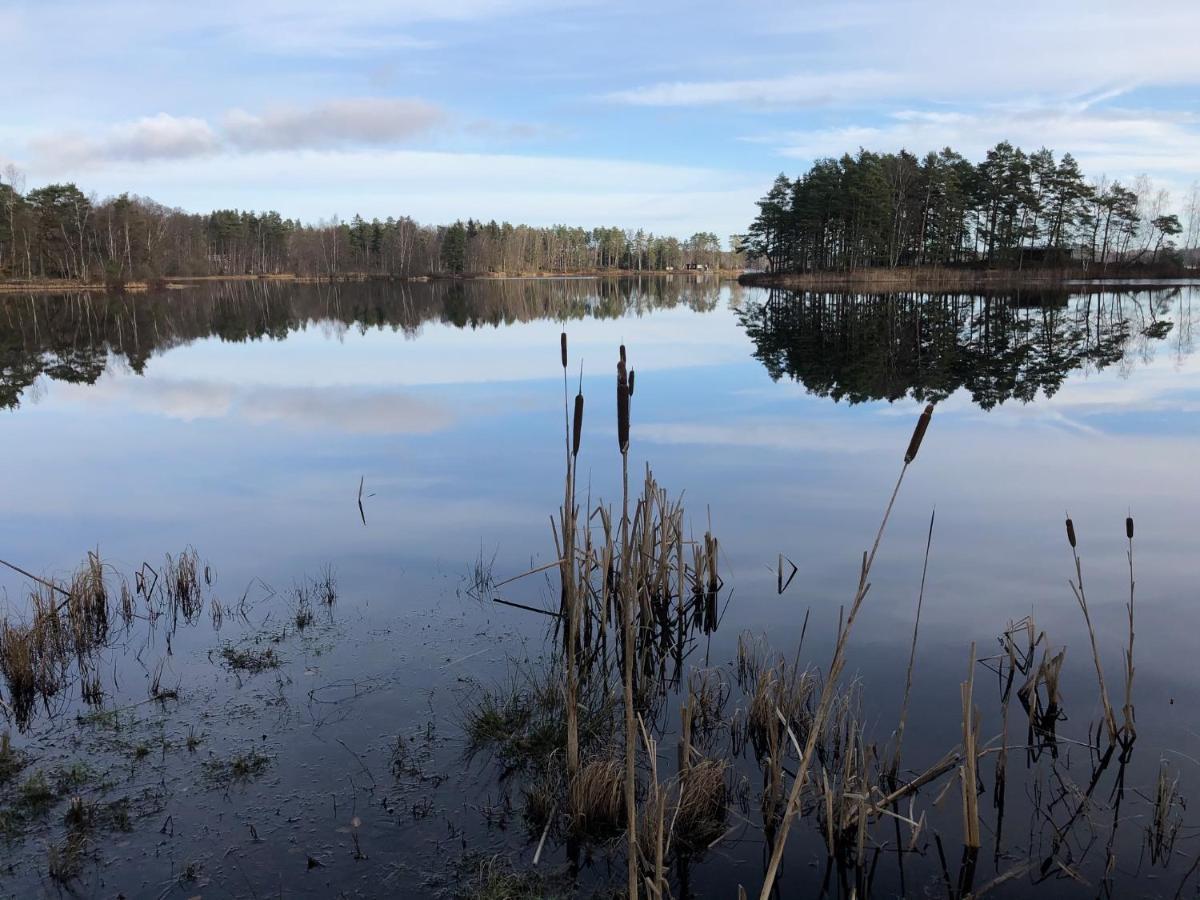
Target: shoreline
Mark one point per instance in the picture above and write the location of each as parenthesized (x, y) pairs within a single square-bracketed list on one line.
[(941, 278), (183, 282)]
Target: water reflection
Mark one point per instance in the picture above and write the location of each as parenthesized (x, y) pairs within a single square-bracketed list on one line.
[(998, 347), (72, 338)]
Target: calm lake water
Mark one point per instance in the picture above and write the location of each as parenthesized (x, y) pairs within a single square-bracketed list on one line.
[(241, 419)]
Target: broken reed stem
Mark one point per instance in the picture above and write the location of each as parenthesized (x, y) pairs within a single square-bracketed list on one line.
[(1129, 731), (912, 653), (828, 690), (969, 768), (1110, 720)]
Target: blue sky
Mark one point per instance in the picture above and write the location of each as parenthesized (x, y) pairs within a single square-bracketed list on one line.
[(666, 115)]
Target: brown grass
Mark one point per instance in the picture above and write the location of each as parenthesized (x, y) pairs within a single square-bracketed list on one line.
[(595, 798)]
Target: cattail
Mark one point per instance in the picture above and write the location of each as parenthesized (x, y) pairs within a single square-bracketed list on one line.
[(563, 345), (622, 407), (622, 354), (918, 434), (631, 374), (1070, 532), (577, 428), (1129, 527)]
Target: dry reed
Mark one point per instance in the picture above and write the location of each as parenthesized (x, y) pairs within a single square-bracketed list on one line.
[(1110, 720), (827, 694)]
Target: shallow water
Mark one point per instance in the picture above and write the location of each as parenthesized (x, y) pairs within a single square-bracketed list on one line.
[(241, 419)]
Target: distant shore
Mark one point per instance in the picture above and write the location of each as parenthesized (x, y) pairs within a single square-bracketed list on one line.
[(182, 282), (932, 277)]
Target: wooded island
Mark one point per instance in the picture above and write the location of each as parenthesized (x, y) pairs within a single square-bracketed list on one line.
[(1014, 211)]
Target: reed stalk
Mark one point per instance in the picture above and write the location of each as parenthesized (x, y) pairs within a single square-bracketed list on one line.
[(912, 652), (568, 577), (1110, 720), (828, 691), (968, 772), (627, 612), (1128, 730)]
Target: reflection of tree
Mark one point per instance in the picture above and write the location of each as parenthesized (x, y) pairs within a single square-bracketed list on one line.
[(1000, 346), (72, 338)]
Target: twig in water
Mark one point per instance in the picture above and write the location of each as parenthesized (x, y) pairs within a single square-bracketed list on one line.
[(544, 612)]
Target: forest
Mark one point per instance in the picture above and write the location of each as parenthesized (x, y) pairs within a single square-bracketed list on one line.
[(1012, 210), (57, 231)]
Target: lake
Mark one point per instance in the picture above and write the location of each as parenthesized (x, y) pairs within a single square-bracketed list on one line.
[(401, 446)]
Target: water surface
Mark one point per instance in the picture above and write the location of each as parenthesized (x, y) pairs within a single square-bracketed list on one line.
[(241, 419)]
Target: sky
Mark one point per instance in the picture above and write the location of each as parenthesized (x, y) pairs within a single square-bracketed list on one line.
[(668, 116)]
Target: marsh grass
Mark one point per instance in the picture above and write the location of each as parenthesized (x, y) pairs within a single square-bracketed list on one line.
[(239, 767), (482, 877), (702, 805), (12, 760), (65, 630), (183, 584), (1166, 820), (65, 859), (523, 722), (636, 594), (249, 659), (596, 800)]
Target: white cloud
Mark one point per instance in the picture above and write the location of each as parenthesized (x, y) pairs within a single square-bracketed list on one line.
[(350, 122), (154, 137), (805, 89), (1118, 142), (281, 27), (356, 410), (937, 50), (345, 122)]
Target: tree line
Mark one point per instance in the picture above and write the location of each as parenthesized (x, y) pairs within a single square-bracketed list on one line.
[(1012, 209), (57, 231)]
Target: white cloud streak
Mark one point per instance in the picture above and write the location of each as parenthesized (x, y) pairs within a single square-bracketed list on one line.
[(1119, 142), (363, 121), (938, 51), (352, 122), (355, 410), (153, 137)]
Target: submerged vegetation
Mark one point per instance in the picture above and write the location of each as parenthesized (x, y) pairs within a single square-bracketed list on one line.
[(72, 622)]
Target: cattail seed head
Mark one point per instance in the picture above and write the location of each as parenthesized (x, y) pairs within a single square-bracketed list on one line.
[(577, 425), (1071, 533), (622, 407), (622, 354), (563, 347), (631, 375), (918, 434), (1129, 527)]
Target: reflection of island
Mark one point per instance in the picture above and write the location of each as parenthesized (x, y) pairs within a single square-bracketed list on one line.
[(1000, 346), (72, 338)]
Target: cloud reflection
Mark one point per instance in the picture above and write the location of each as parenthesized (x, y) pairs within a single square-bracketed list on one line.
[(353, 410)]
